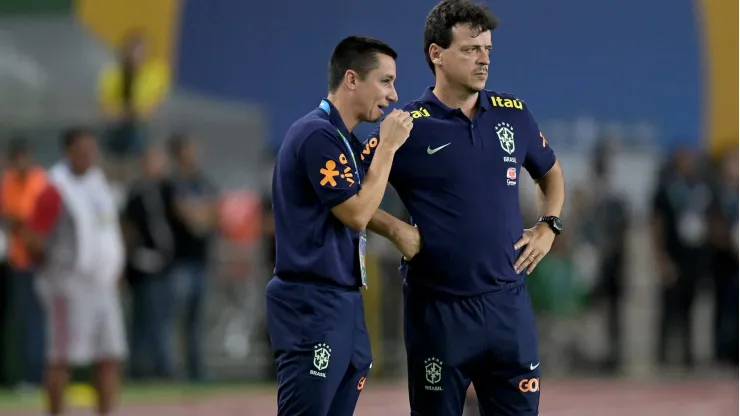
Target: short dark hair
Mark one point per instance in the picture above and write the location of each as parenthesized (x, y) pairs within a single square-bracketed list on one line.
[(358, 53), (18, 146), (448, 13), (71, 135)]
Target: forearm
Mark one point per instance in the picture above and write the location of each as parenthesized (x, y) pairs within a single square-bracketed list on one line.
[(373, 186), (551, 192), (384, 224)]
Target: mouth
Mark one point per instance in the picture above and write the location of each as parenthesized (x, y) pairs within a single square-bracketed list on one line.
[(381, 107)]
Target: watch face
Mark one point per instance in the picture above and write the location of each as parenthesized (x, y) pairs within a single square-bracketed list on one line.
[(557, 224)]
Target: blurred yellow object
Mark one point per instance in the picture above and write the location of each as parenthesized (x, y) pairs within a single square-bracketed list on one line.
[(80, 395), (720, 28), (111, 20), (150, 87)]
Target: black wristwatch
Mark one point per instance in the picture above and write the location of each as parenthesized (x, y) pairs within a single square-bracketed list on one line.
[(553, 222)]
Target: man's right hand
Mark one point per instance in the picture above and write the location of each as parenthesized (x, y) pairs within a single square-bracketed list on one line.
[(395, 129), (407, 239)]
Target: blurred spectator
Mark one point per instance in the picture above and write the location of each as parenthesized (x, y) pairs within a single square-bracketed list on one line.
[(151, 249), (607, 226), (75, 235), (193, 216), (131, 90), (680, 207), (22, 183), (724, 251)]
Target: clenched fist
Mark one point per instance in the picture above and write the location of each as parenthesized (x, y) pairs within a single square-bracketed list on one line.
[(395, 129)]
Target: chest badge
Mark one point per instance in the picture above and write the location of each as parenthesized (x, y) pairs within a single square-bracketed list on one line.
[(511, 177), (505, 134)]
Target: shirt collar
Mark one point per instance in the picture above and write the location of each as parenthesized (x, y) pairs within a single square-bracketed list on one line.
[(335, 118), (484, 103)]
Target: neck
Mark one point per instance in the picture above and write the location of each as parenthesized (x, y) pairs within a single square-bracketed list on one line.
[(342, 104), (456, 96), (78, 171)]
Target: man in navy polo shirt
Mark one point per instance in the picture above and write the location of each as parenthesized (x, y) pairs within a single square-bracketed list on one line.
[(322, 201), (468, 316)]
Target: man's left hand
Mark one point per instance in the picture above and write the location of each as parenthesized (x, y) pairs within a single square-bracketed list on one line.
[(538, 241)]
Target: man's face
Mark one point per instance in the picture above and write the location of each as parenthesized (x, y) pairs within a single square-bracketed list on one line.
[(730, 168), (83, 154), (466, 61), (685, 162), (377, 90), (189, 154), (21, 161), (155, 162)]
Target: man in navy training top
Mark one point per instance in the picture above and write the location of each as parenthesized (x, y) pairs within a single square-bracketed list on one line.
[(468, 316), (323, 199)]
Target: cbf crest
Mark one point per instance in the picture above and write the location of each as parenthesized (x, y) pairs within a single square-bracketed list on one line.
[(321, 356), (505, 134), (433, 373)]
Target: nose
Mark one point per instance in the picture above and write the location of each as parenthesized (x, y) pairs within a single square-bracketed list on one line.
[(393, 96), (483, 58)]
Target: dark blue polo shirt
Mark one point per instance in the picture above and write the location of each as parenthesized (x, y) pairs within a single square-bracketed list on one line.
[(313, 173), (459, 180)]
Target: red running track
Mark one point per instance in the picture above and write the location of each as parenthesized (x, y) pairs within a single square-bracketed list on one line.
[(559, 398)]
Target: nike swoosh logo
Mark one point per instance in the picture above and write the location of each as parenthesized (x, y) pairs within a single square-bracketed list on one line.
[(533, 366), (435, 150)]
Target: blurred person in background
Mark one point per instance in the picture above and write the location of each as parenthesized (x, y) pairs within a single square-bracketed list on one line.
[(724, 255), (607, 225), (131, 90), (193, 218), (680, 229), (22, 183), (75, 237), (151, 249)]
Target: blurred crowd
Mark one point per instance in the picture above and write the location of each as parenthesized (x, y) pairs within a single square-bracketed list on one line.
[(692, 226), (169, 217)]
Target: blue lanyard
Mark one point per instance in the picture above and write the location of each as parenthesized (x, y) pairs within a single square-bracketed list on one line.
[(325, 106), (352, 155)]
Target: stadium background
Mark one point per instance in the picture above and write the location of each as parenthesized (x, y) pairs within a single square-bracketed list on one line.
[(654, 75)]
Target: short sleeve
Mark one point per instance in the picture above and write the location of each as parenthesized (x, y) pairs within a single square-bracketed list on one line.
[(156, 86), (368, 151), (540, 157), (46, 212), (328, 167)]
